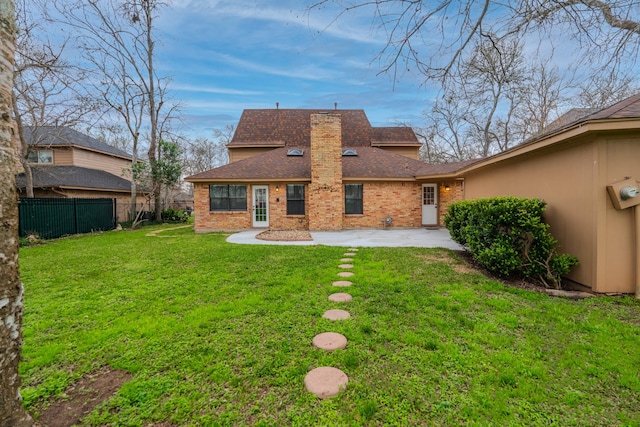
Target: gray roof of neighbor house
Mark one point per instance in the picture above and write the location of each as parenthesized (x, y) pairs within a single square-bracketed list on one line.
[(62, 136), (73, 177)]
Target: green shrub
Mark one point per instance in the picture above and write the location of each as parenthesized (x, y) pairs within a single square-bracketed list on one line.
[(508, 236), (174, 215)]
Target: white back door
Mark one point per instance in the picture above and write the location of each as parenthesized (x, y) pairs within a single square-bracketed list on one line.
[(429, 204), (260, 205)]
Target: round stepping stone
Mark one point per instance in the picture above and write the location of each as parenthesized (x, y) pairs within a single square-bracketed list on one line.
[(342, 283), (345, 266), (346, 259), (340, 297), (336, 315), (326, 381), (349, 254), (330, 341), (353, 249), (345, 274)]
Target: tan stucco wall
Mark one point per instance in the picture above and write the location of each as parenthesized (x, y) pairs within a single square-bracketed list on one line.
[(572, 177), (411, 152), (236, 154), (92, 160)]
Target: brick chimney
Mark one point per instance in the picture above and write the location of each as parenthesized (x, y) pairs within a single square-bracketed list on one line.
[(326, 199)]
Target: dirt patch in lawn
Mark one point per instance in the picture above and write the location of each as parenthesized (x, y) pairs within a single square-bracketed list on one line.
[(458, 266), (82, 397), (285, 235)]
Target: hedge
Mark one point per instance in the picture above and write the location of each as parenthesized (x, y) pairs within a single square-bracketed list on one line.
[(508, 236)]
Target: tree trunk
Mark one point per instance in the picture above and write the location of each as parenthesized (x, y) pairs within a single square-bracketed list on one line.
[(12, 413), (24, 148)]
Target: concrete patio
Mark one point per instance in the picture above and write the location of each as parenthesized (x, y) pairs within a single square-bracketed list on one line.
[(400, 237)]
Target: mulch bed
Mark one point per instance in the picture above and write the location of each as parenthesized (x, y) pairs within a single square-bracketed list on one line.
[(285, 236)]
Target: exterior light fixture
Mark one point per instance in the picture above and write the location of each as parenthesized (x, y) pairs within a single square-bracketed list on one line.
[(446, 187), (277, 188)]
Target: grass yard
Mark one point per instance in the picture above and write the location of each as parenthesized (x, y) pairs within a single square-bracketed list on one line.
[(220, 334)]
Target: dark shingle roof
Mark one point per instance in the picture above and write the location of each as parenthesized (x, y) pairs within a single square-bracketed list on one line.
[(370, 163), (45, 136), (292, 128), (73, 177), (398, 135)]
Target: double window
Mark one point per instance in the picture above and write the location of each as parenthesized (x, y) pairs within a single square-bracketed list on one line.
[(353, 199), (295, 199), (228, 197), (40, 156)]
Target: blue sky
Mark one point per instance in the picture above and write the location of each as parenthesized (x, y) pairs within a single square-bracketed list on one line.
[(227, 55)]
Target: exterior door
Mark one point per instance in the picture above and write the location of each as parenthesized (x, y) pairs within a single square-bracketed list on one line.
[(429, 204), (260, 206)]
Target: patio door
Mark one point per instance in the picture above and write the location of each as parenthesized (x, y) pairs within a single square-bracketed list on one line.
[(429, 204), (260, 206)]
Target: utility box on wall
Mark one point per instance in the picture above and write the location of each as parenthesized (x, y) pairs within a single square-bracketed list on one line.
[(624, 194)]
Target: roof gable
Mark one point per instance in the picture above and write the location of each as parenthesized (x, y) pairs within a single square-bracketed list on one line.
[(47, 136)]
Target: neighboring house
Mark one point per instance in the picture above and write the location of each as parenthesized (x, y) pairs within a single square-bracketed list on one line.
[(570, 167), (321, 170), (66, 163)]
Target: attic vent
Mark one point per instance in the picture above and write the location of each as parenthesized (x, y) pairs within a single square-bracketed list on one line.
[(349, 152), (295, 152)]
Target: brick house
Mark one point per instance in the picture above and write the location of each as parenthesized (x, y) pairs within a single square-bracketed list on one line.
[(68, 164), (322, 170)]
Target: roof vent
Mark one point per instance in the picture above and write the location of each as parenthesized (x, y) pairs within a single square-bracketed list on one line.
[(295, 152), (349, 152)]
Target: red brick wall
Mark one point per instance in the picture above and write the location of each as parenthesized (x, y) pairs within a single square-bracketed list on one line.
[(325, 205), (446, 197), (400, 200), (205, 220), (278, 218)]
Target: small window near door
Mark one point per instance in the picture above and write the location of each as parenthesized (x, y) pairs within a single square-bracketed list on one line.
[(40, 156), (295, 199), (428, 195), (353, 199), (228, 197)]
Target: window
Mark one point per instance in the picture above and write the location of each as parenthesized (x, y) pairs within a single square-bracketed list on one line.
[(228, 197), (295, 199), (40, 156), (353, 199), (349, 152)]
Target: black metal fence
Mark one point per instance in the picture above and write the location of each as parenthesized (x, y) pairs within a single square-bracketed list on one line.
[(52, 218)]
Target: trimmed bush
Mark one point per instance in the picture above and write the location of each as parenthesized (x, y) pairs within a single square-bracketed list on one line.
[(508, 236)]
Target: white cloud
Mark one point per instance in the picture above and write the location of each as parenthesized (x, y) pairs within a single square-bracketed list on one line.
[(218, 90)]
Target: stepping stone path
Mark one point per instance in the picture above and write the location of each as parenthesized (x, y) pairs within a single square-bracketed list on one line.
[(330, 341), (336, 315), (342, 283), (326, 381), (340, 297)]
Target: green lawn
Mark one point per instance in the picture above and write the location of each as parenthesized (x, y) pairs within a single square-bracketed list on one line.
[(220, 334)]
